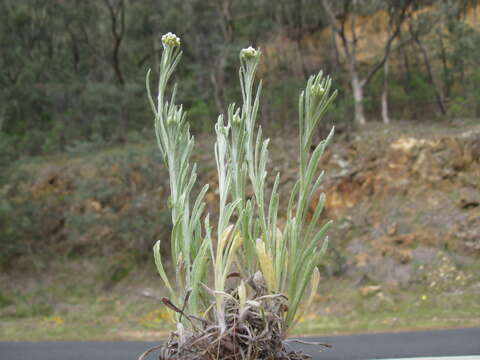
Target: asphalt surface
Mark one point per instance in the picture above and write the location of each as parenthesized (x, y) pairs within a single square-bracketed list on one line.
[(459, 342)]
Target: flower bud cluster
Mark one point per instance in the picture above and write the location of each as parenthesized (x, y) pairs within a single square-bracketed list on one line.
[(248, 53), (170, 39), (236, 119), (317, 90)]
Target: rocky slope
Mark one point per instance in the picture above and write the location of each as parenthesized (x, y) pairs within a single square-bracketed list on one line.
[(405, 200), (405, 204)]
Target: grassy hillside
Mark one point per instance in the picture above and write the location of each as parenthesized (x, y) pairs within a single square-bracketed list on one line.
[(76, 232)]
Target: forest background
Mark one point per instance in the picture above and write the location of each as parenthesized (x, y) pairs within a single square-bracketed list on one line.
[(73, 71), (83, 193)]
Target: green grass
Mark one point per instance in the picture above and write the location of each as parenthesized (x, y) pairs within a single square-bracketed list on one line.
[(410, 311), (124, 314), (83, 317)]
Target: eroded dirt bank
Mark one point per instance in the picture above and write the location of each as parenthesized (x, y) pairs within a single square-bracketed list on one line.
[(405, 200)]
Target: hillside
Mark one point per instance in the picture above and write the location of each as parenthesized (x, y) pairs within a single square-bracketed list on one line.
[(77, 229)]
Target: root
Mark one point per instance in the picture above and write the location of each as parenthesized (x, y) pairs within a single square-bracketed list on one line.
[(256, 331)]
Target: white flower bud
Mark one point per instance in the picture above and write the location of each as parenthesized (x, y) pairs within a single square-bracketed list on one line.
[(317, 90), (248, 53), (170, 39), (236, 120)]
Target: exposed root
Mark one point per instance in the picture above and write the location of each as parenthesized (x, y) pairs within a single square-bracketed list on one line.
[(256, 331)]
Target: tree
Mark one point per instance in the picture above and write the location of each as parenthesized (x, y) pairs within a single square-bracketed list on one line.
[(343, 18), (419, 30), (116, 12)]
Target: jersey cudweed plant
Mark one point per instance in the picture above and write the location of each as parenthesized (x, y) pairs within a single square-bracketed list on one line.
[(270, 268)]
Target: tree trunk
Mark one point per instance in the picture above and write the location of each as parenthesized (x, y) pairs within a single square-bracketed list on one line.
[(117, 23), (438, 91), (217, 79), (357, 88), (385, 117), (335, 53)]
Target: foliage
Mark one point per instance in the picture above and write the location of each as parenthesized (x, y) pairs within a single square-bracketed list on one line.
[(69, 75), (277, 264), (82, 205)]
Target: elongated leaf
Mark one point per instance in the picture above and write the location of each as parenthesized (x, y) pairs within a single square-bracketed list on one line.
[(161, 270)]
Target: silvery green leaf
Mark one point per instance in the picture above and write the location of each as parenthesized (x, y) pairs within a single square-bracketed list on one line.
[(161, 270)]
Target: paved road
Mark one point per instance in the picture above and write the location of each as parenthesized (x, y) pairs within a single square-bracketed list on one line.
[(365, 346)]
